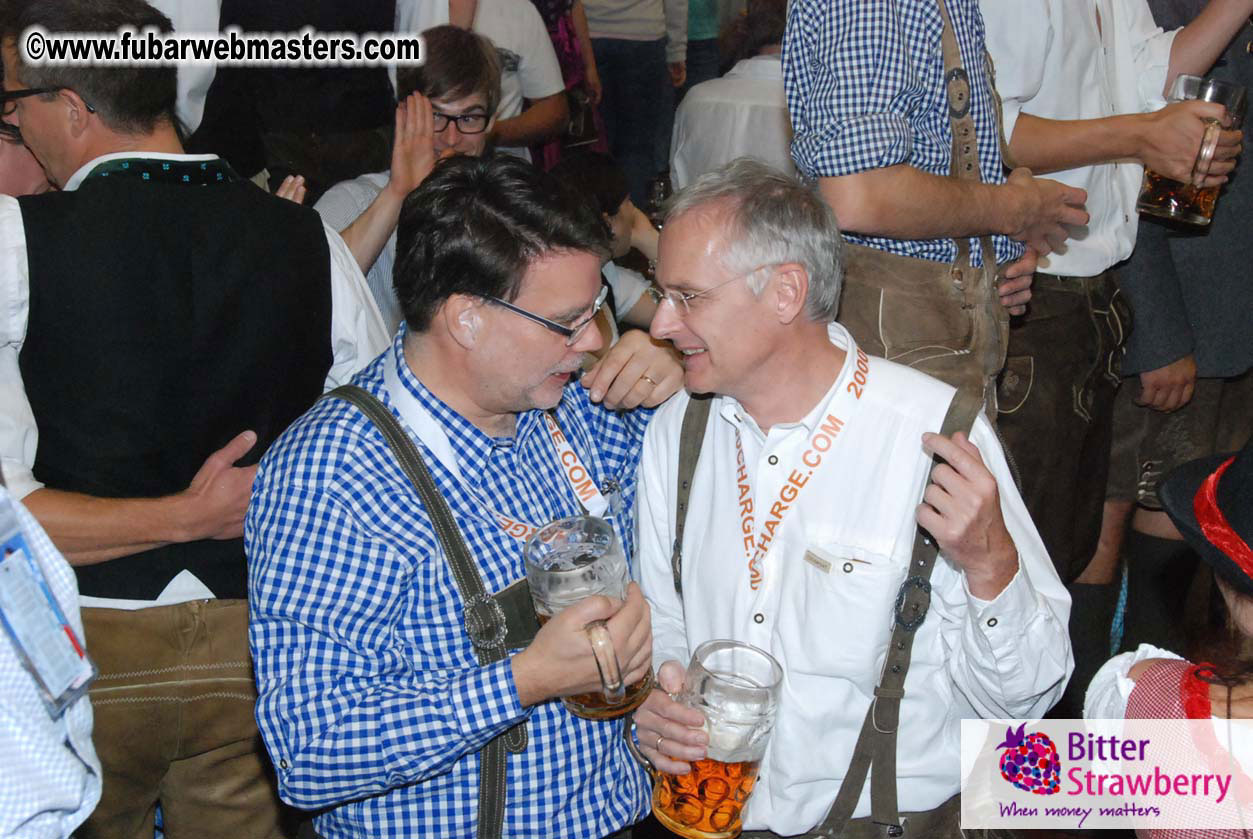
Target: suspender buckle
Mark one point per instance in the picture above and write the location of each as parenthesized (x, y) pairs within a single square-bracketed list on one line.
[(485, 622), (911, 612), (958, 85)]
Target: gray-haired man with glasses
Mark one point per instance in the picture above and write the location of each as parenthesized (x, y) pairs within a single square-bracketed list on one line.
[(791, 526)]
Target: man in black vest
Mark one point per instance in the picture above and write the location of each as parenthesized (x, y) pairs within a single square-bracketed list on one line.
[(163, 321)]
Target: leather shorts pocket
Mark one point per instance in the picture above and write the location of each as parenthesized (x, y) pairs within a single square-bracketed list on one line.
[(1014, 385)]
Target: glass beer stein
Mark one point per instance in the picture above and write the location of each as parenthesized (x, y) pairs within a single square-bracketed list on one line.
[(566, 561), (736, 686), (1167, 198)]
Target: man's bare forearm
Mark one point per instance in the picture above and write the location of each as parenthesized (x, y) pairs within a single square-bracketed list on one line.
[(88, 530), (901, 202), (543, 121), (1198, 45), (1055, 145), (368, 234)]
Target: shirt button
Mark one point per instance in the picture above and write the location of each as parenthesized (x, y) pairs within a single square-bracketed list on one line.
[(758, 618), (991, 622), (848, 568), (282, 764), (772, 460)]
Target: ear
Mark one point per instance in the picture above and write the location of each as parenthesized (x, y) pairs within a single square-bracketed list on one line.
[(463, 317), (791, 284), (78, 112)]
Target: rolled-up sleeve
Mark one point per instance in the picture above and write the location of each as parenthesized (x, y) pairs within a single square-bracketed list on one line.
[(1019, 53), (848, 80), (1150, 52)]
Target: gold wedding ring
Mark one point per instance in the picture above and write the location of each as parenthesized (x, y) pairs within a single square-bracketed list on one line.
[(651, 381)]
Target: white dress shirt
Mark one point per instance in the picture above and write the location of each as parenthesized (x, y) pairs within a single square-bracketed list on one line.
[(830, 579), (357, 336), (742, 114), (49, 771), (529, 68), (1053, 61)]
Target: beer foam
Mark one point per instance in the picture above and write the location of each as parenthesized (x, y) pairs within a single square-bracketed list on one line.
[(736, 734)]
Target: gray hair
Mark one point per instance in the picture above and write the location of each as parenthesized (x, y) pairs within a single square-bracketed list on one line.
[(772, 219)]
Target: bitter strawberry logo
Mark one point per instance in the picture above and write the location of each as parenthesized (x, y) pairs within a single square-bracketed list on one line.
[(1030, 762)]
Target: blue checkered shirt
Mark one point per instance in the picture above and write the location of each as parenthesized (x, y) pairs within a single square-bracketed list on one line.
[(371, 700), (865, 89)]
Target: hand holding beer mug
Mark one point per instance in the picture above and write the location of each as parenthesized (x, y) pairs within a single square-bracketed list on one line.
[(1193, 202), (567, 561), (735, 687)]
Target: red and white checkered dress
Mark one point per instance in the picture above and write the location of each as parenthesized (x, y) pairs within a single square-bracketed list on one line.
[(1170, 690)]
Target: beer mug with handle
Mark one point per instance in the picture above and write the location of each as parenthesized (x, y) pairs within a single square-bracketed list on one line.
[(566, 561), (1167, 198), (736, 687)]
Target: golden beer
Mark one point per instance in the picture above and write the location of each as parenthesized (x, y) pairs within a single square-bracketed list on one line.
[(706, 802), (594, 705), (1167, 198)]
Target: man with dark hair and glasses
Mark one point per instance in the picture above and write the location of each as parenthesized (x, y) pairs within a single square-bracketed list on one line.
[(374, 701), (151, 348)]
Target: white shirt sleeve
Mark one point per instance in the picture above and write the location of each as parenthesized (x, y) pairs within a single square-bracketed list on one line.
[(19, 436), (344, 203), (1107, 695), (357, 331), (1019, 53), (538, 71), (1012, 657), (628, 286), (1150, 51)]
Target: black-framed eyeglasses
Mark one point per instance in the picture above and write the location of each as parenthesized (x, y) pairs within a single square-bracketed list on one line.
[(466, 123), (572, 334), (8, 98)]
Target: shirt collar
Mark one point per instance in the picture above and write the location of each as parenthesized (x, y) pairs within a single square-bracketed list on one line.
[(83, 171), (471, 445), (768, 67), (731, 410)]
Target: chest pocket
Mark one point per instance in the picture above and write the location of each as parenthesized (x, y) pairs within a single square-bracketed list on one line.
[(838, 606)]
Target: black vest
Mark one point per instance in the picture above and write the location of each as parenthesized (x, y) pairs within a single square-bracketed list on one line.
[(165, 318)]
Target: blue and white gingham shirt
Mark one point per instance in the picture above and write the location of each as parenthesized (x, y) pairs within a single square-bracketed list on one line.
[(865, 89), (371, 700)]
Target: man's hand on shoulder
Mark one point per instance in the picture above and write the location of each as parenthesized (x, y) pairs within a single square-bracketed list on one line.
[(961, 509), (214, 504), (560, 662), (1040, 209), (638, 370)]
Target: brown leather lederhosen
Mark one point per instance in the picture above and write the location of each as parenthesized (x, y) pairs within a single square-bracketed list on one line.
[(944, 319)]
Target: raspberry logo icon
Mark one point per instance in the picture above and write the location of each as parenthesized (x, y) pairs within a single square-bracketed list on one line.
[(1030, 761)]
